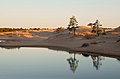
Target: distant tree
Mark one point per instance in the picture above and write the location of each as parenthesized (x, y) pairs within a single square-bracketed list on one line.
[(95, 27), (21, 29), (73, 24), (59, 29), (91, 24)]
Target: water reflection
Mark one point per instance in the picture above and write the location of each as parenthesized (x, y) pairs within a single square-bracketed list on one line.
[(11, 47), (97, 61), (37, 63), (73, 62)]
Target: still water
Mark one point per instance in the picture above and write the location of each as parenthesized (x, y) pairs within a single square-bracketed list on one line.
[(43, 63)]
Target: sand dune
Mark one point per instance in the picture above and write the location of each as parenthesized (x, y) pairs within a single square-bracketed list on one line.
[(85, 41)]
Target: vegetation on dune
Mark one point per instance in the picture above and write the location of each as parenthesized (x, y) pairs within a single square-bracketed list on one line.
[(72, 28), (96, 27), (59, 29), (20, 29), (10, 29)]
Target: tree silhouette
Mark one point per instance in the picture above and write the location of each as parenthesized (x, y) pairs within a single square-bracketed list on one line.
[(91, 24), (73, 24), (95, 27)]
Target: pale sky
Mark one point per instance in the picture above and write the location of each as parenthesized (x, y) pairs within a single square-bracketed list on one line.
[(55, 13)]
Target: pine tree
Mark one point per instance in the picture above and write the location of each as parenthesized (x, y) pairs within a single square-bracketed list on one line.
[(73, 24)]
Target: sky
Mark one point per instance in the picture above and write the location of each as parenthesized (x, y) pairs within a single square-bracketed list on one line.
[(56, 13)]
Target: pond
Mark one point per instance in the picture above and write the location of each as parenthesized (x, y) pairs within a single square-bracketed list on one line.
[(43, 63)]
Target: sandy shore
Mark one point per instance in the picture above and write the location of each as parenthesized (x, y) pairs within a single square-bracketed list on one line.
[(108, 44)]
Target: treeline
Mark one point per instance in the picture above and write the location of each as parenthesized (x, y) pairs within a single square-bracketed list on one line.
[(20, 29), (10, 29)]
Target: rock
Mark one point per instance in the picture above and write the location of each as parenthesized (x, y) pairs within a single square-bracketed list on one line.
[(85, 45), (118, 40)]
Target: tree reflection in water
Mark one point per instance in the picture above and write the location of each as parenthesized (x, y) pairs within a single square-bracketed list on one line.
[(97, 61), (73, 62)]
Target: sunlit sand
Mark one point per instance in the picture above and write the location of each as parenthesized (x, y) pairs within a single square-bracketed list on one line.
[(84, 41)]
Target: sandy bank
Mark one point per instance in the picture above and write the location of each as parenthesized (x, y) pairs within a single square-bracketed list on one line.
[(104, 44)]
